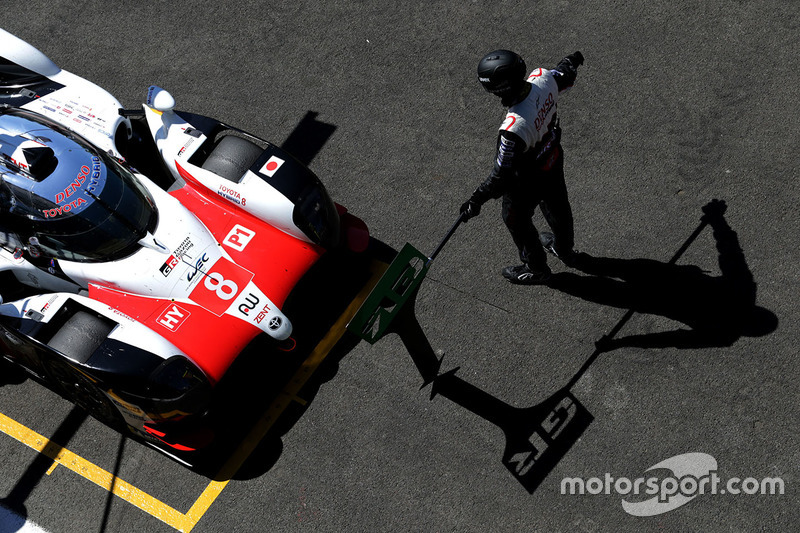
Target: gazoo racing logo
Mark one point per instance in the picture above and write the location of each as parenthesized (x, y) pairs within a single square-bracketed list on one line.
[(176, 257)]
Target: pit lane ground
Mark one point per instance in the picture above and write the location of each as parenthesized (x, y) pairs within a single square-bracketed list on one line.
[(677, 104)]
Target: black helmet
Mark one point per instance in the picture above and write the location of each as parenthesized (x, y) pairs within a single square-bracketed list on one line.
[(502, 72)]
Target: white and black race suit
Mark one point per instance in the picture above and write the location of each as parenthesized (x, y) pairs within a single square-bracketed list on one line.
[(529, 165)]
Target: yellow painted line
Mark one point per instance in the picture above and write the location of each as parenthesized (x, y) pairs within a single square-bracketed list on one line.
[(300, 401), (92, 472), (154, 506)]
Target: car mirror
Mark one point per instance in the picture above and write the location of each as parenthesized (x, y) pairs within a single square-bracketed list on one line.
[(160, 99)]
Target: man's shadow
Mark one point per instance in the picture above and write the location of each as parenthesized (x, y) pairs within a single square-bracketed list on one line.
[(716, 310)]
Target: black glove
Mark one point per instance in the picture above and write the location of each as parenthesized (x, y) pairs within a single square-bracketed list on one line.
[(576, 58), (470, 209)]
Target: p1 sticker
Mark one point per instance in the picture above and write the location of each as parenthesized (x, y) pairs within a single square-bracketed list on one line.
[(238, 237), (271, 166)]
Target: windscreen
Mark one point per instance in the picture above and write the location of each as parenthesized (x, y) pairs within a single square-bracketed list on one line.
[(89, 207)]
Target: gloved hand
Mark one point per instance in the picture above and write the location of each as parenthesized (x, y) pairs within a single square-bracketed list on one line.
[(470, 209), (714, 209), (576, 58)]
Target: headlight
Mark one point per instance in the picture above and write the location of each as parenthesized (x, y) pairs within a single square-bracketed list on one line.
[(178, 388), (315, 214)]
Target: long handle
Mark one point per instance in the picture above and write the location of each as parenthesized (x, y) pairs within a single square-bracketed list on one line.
[(446, 238)]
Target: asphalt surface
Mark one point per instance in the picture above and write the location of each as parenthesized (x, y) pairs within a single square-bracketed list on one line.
[(677, 104)]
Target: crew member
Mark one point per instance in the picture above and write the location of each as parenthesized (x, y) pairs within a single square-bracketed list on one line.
[(529, 164)]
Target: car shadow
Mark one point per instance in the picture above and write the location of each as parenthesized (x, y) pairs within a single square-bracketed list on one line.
[(308, 138)]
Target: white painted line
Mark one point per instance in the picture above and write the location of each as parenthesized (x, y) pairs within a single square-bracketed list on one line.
[(11, 521)]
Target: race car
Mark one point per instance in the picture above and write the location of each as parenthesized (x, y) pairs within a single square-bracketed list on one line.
[(131, 294)]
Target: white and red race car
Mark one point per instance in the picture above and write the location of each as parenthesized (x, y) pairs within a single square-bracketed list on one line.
[(133, 299)]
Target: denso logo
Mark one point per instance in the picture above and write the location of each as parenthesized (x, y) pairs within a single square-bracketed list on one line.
[(542, 115), (70, 189)]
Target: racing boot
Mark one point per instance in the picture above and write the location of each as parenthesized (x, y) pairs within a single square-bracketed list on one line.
[(524, 275), (570, 258)]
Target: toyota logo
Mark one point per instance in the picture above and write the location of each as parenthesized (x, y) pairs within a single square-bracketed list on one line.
[(275, 322)]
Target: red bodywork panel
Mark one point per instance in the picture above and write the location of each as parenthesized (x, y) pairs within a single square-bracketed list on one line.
[(275, 259)]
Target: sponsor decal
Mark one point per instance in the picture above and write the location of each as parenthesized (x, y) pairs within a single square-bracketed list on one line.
[(173, 317), (271, 166), (151, 94), (198, 265), (47, 305), (231, 194), (275, 323), (176, 256), (77, 183), (169, 264), (185, 245), (543, 111), (250, 303), (505, 152), (66, 208), (263, 313), (238, 237), (19, 164), (185, 146)]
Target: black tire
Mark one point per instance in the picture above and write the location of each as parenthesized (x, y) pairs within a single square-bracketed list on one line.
[(78, 339), (80, 336), (232, 157)]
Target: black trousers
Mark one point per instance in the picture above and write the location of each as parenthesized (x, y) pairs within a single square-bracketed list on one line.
[(546, 188)]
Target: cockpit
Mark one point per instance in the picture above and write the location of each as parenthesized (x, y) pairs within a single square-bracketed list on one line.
[(63, 198)]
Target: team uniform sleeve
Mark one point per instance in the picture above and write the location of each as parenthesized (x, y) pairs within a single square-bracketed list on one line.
[(510, 148), (567, 70)]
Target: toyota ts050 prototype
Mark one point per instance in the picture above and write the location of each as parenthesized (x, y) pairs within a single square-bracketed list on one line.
[(133, 299)]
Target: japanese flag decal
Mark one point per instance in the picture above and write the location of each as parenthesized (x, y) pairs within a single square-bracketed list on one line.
[(271, 166)]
